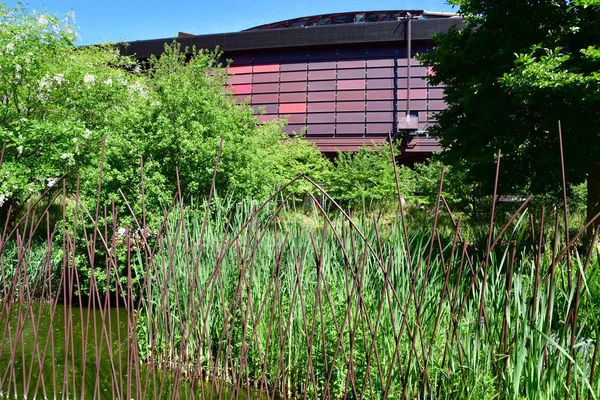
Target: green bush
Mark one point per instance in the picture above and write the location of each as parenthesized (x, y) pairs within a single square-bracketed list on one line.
[(367, 177)]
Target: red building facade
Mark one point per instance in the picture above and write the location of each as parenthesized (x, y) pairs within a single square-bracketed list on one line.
[(341, 80)]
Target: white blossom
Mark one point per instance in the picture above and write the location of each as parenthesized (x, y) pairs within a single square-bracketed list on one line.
[(45, 83), (74, 140), (87, 134), (108, 82), (66, 155), (3, 199), (10, 48), (58, 78), (138, 88), (42, 20), (20, 150), (17, 68), (70, 16), (52, 181), (89, 78)]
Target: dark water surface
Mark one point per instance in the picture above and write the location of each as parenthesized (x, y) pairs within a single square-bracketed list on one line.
[(61, 352)]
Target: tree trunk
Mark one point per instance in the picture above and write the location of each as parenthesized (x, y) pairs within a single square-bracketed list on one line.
[(593, 192)]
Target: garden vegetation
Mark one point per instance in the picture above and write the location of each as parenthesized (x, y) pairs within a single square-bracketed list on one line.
[(245, 263)]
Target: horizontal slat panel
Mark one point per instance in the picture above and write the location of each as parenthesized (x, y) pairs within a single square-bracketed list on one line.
[(295, 118), (320, 129), (301, 66), (322, 65), (293, 76), (265, 98), (295, 97), (380, 73), (413, 62), (321, 75), (378, 128), (289, 108), (384, 116), (350, 117), (351, 84), (351, 73), (321, 85), (436, 93), (384, 94), (418, 83), (418, 71), (321, 107), (386, 62), (263, 78), (321, 118), (351, 95), (351, 106), (266, 68), (265, 88), (415, 94), (321, 96), (418, 105), (380, 83), (351, 64), (240, 69), (350, 128), (293, 86), (242, 89), (437, 105), (380, 105), (239, 79)]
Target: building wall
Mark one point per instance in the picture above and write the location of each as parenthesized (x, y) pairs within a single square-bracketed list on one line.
[(340, 96)]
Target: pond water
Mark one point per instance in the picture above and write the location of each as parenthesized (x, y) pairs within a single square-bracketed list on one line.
[(61, 352)]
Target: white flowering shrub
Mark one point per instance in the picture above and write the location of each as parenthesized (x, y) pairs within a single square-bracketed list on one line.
[(51, 113)]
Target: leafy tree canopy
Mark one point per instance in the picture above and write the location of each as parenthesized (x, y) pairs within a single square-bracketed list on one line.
[(66, 110), (511, 73)]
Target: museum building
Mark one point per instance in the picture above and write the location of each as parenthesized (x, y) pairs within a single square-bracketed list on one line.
[(341, 80)]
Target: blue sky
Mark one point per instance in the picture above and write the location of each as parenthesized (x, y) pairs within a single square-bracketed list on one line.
[(111, 20)]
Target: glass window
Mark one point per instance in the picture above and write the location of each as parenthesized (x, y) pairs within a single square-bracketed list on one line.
[(343, 19), (323, 21), (298, 24)]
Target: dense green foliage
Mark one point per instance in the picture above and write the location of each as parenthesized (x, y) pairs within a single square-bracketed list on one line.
[(367, 176), (69, 110), (513, 71)]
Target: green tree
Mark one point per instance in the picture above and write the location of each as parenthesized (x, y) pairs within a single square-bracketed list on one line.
[(516, 68), (174, 121), (54, 101)]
